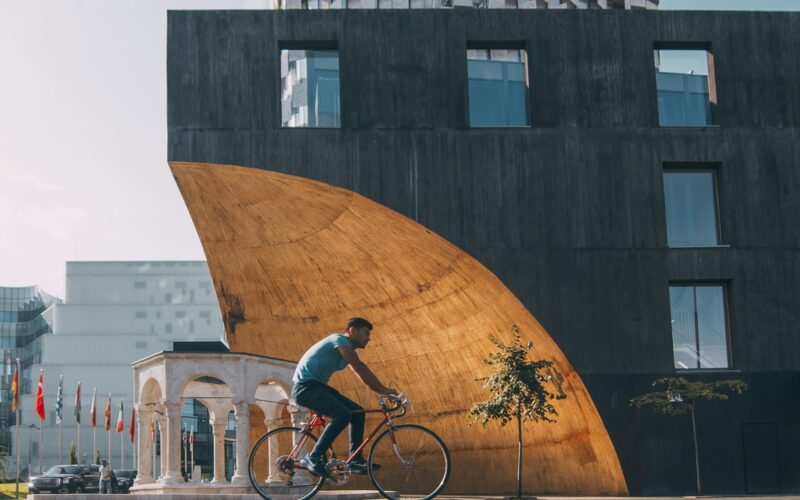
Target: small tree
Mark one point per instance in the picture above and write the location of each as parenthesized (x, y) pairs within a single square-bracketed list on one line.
[(676, 396), (518, 391), (97, 456), (73, 453)]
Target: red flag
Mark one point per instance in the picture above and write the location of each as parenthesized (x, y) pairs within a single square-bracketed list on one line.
[(132, 430), (107, 413), (121, 417), (191, 439), (94, 408), (15, 392), (40, 396)]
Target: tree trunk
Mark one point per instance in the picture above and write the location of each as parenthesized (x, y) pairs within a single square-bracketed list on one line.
[(519, 453), (696, 453)]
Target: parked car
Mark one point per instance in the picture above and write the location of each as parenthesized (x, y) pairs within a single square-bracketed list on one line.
[(59, 479), (125, 479)]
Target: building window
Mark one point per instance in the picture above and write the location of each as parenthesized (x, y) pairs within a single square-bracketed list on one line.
[(699, 326), (685, 86), (139, 284), (498, 87), (141, 344), (310, 88), (180, 314), (180, 284), (141, 314), (690, 196)]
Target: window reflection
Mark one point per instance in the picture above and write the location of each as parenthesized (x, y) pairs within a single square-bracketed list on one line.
[(498, 87), (699, 327), (691, 208), (685, 91), (310, 88)]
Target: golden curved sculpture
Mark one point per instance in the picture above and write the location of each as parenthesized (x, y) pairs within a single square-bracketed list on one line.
[(293, 258)]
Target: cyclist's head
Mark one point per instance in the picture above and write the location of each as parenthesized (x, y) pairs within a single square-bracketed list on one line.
[(358, 330), (358, 323)]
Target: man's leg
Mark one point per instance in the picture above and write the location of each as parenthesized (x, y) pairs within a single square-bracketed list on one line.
[(357, 421), (325, 401)]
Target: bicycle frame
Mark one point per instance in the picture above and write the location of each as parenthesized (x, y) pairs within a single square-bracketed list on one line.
[(319, 421)]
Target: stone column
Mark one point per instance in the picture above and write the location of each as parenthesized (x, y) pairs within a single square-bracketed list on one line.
[(218, 425), (242, 413), (161, 420), (144, 416), (272, 424), (172, 445), (299, 416)]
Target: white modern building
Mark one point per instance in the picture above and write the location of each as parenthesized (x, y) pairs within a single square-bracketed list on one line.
[(113, 314)]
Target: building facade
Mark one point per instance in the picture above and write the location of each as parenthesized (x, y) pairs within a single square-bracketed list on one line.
[(114, 313), (25, 315), (646, 216)]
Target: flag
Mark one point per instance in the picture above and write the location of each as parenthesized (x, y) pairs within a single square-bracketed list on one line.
[(94, 408), (77, 411), (15, 392), (132, 430), (153, 429), (191, 440), (40, 396), (121, 418), (107, 414), (59, 399)]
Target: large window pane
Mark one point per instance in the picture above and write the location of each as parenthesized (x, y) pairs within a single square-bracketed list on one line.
[(685, 91), (310, 88), (691, 208), (498, 87), (699, 327)]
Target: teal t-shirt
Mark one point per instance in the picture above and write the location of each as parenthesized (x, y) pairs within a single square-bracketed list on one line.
[(322, 360)]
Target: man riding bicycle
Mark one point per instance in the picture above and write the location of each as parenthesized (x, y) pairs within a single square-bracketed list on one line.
[(311, 390)]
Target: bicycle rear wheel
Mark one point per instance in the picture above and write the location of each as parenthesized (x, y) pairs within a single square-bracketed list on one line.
[(414, 463), (273, 473)]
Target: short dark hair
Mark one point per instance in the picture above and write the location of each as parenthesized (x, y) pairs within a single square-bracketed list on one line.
[(358, 323)]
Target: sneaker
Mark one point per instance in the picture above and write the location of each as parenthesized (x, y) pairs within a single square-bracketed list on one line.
[(359, 466), (315, 465)]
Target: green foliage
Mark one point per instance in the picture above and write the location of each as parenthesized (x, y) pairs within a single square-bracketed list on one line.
[(97, 456), (517, 386), (677, 396), (73, 453), (3, 461)]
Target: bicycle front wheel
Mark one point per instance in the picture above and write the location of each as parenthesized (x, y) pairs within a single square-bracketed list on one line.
[(272, 465), (414, 463)]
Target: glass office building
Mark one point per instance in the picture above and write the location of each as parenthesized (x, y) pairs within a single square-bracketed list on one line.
[(25, 315)]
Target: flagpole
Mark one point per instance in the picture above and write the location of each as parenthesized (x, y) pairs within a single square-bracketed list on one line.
[(41, 420), (41, 446), (94, 423), (78, 418), (16, 397), (60, 405), (108, 427), (191, 443)]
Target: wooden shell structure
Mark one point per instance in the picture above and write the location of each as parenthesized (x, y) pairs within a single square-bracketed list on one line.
[(292, 259)]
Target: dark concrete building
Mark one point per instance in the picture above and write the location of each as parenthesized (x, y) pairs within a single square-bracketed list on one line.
[(648, 219)]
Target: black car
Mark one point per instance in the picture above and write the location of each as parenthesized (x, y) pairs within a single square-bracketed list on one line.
[(59, 479), (125, 479)]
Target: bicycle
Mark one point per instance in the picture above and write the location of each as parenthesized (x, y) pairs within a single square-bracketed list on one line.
[(414, 461)]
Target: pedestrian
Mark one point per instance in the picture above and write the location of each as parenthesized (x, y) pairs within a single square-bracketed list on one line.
[(105, 477)]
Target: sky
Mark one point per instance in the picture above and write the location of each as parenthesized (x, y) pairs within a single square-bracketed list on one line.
[(83, 134)]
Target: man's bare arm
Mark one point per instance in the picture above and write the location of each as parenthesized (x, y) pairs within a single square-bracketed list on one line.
[(363, 371)]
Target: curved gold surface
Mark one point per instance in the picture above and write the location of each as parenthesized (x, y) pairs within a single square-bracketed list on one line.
[(293, 258)]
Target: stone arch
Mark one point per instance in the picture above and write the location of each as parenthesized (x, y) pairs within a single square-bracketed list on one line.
[(151, 392)]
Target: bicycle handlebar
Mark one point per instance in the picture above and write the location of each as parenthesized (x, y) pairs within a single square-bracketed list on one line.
[(400, 400)]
